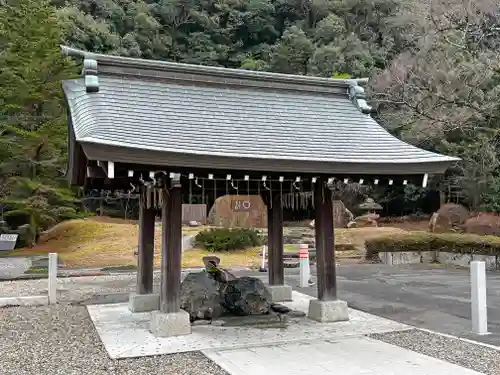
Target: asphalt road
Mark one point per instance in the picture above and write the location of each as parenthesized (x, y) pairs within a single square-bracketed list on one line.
[(422, 296)]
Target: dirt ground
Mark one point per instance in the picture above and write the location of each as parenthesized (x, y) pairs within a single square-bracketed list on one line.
[(108, 242)]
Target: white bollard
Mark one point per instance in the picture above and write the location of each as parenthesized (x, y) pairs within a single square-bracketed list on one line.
[(263, 260), (52, 278), (478, 297), (304, 268)]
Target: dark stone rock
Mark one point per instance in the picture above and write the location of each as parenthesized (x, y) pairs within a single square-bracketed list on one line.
[(245, 296), (200, 297), (207, 299), (220, 275)]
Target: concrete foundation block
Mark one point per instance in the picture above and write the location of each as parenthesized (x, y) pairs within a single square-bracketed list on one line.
[(170, 324), (280, 293), (328, 311), (143, 302)]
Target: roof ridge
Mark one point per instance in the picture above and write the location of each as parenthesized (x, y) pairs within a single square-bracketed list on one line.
[(137, 63)]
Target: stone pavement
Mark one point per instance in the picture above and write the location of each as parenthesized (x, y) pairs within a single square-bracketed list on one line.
[(126, 335), (302, 347), (358, 355)]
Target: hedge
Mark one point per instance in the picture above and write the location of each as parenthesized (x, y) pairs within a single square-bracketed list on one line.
[(426, 241), (222, 239)]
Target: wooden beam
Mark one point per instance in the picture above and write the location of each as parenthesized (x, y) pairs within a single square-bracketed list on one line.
[(275, 240), (111, 170), (171, 262), (325, 243), (145, 255), (95, 172)]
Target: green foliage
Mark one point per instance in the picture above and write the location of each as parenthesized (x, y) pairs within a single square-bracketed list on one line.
[(292, 53), (426, 241), (40, 205), (32, 116), (222, 239), (436, 81)]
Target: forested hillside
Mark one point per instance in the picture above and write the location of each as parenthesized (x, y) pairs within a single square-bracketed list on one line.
[(433, 68)]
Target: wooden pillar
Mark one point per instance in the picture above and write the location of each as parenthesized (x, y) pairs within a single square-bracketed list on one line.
[(325, 242), (145, 253), (275, 240), (171, 249)]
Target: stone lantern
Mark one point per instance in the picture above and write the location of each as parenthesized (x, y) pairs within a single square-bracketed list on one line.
[(370, 206)]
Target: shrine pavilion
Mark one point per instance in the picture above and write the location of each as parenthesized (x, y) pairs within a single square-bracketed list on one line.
[(164, 129)]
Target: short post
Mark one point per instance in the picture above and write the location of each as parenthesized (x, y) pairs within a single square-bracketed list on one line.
[(52, 278), (263, 260), (478, 297), (304, 268)]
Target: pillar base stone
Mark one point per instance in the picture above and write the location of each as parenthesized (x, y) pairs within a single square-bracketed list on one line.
[(328, 311), (280, 293), (143, 302), (170, 324)]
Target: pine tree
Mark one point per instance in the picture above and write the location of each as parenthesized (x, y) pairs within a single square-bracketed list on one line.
[(32, 114)]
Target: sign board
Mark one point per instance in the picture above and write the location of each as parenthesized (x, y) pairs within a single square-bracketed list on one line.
[(241, 205), (8, 241)]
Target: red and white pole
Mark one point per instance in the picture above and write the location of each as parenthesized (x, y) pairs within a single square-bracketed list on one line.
[(304, 268)]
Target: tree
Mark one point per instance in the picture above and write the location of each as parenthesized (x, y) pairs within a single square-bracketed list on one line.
[(441, 92), (32, 113), (292, 53), (347, 55)]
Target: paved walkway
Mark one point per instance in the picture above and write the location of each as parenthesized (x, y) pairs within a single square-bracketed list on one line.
[(349, 356), (127, 335)]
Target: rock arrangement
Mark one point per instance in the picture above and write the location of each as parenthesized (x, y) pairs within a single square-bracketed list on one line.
[(299, 236), (484, 224), (205, 297), (449, 218), (229, 212), (363, 221)]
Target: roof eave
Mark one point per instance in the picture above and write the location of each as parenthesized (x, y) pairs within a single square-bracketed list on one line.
[(118, 154)]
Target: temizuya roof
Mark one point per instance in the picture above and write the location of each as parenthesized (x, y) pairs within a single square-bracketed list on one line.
[(161, 113)]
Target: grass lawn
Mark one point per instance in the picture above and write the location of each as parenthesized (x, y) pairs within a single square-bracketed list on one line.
[(100, 243)]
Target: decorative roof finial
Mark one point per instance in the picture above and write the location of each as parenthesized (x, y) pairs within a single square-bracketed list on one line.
[(357, 96), (90, 74)]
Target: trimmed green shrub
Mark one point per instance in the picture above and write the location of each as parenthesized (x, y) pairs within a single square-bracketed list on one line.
[(426, 241), (222, 239)]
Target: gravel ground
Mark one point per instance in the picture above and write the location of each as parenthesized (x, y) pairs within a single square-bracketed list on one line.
[(61, 340), (75, 289), (475, 357), (78, 289)]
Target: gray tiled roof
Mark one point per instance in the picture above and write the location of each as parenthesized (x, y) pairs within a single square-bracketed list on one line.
[(239, 119), (233, 122)]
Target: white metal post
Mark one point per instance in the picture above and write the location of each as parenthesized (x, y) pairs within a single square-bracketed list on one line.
[(304, 269), (263, 259), (478, 297), (52, 278)]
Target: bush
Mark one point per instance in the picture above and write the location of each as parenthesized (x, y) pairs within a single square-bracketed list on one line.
[(426, 241), (222, 239)]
